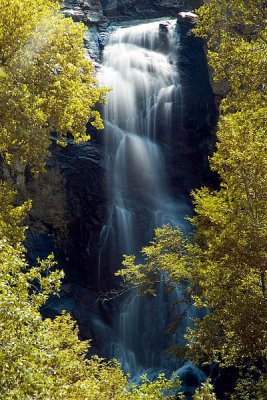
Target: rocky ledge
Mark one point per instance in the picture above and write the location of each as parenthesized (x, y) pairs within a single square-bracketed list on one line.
[(98, 11), (140, 9), (86, 11)]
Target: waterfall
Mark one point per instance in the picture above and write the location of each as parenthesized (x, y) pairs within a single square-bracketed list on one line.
[(139, 65)]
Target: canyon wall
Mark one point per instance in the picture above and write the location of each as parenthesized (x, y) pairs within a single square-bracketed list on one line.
[(81, 169)]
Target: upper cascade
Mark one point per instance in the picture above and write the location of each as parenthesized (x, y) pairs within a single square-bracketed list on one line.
[(138, 64)]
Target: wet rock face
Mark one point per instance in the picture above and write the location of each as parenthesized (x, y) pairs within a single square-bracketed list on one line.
[(96, 11), (200, 109), (135, 9), (69, 210), (200, 112), (188, 165), (83, 169)]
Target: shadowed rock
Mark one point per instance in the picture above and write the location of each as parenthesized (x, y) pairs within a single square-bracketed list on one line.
[(132, 9), (87, 11)]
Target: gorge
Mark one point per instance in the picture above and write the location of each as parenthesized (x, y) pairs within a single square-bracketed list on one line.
[(133, 212), (131, 178)]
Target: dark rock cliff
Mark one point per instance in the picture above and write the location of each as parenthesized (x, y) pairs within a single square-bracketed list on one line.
[(133, 9), (200, 112), (95, 11), (81, 169), (86, 11)]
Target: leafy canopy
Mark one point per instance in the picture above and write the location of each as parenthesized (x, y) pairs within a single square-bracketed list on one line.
[(46, 83), (44, 359)]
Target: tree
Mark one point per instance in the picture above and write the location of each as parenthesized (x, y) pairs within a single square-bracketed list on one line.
[(46, 83), (231, 224), (236, 34), (42, 358)]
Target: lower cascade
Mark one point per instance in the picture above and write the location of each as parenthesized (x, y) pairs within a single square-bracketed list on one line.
[(144, 110)]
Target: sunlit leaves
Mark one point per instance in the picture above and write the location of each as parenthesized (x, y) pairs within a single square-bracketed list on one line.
[(46, 83), (205, 392), (44, 358), (237, 49), (11, 217), (231, 224)]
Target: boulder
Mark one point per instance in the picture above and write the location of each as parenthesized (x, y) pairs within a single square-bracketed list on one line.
[(188, 17), (164, 27)]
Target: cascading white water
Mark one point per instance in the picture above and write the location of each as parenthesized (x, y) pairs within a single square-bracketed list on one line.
[(139, 65)]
